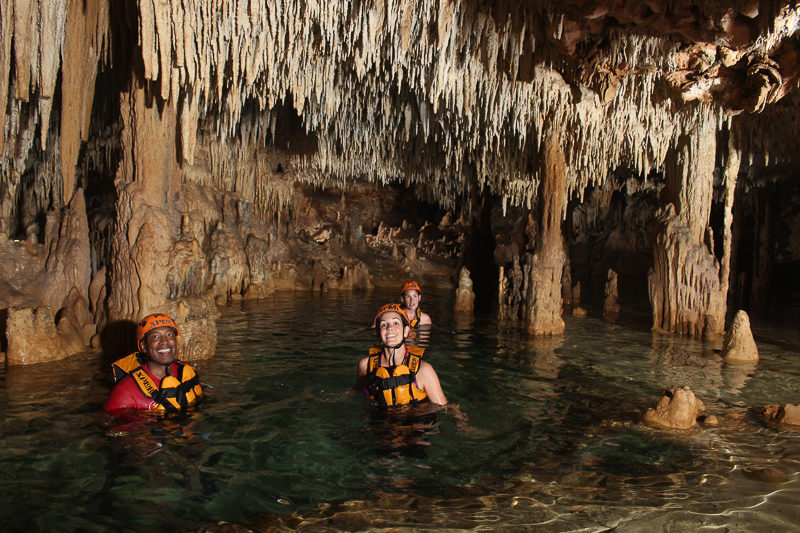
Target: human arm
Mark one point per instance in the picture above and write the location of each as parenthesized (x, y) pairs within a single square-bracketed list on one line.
[(125, 396), (428, 381), (361, 374), (425, 319)]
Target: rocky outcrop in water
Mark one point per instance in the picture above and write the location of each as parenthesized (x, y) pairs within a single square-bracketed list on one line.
[(465, 297), (786, 415), (739, 345), (678, 408)]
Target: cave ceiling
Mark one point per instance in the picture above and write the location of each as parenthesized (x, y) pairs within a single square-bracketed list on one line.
[(455, 97)]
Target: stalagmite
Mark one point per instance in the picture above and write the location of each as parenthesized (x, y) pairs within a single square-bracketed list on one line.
[(678, 408), (611, 303), (739, 345), (465, 297), (577, 309)]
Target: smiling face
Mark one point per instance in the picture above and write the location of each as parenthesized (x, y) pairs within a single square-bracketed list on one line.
[(411, 299), (391, 328), (160, 345)]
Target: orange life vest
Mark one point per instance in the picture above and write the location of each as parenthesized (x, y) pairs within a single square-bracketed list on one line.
[(175, 393), (399, 388)]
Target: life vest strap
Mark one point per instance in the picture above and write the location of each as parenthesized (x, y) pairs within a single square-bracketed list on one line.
[(172, 398), (394, 381)]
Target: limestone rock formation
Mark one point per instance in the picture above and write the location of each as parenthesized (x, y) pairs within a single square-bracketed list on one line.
[(783, 415), (35, 337), (739, 345), (465, 297), (678, 408), (610, 303), (545, 269), (208, 151)]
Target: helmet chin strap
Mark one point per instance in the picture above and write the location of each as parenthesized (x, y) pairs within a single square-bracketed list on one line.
[(396, 346)]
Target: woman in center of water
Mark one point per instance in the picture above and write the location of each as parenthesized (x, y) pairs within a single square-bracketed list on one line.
[(394, 373)]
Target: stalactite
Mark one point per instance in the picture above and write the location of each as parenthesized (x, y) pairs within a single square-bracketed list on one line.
[(84, 42), (350, 69), (464, 101), (731, 173)]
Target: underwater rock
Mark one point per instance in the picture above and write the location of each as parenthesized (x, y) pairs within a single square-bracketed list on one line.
[(739, 345), (465, 297), (678, 409), (767, 474)]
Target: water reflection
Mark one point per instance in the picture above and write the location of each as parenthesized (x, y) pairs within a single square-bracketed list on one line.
[(419, 336), (678, 360), (403, 431), (145, 433), (736, 376)]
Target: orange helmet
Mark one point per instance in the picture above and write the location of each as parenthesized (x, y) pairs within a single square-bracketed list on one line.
[(391, 307), (409, 285), (151, 322)]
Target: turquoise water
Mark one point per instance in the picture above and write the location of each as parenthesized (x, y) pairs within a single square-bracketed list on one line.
[(545, 435)]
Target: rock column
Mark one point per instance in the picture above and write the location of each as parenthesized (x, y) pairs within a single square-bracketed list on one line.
[(544, 289), (684, 284), (148, 227)]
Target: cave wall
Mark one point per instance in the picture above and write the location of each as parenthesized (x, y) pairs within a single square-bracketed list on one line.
[(222, 150)]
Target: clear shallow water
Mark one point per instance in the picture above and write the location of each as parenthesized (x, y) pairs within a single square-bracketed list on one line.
[(546, 436)]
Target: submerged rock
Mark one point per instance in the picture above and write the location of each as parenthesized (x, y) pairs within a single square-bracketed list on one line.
[(678, 409), (739, 345)]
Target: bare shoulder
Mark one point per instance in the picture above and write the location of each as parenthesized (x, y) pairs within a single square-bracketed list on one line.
[(425, 368)]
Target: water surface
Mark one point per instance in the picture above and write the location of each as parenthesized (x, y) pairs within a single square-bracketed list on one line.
[(545, 435)]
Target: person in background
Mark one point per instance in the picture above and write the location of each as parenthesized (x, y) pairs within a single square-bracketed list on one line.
[(393, 373), (411, 294), (153, 378)]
